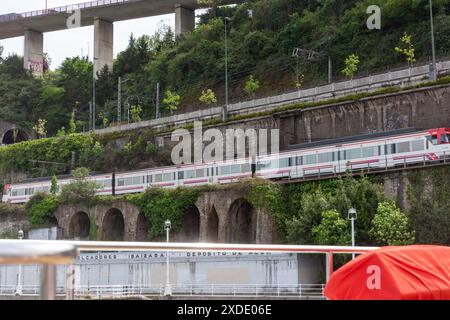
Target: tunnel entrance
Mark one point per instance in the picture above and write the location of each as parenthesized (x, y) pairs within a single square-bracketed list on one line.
[(14, 136), (190, 231), (213, 226), (113, 227), (142, 227), (80, 226), (242, 222)]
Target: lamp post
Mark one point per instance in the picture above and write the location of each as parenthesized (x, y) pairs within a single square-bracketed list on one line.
[(167, 288), (19, 280), (352, 216), (434, 71), (93, 94), (225, 108)]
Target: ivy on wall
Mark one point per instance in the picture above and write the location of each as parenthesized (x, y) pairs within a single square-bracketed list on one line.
[(429, 198)]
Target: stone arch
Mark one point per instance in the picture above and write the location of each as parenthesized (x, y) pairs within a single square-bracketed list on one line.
[(142, 226), (14, 136), (113, 225), (80, 226), (242, 222), (190, 230), (212, 225)]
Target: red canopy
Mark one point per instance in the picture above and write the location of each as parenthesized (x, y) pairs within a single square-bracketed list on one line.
[(418, 272)]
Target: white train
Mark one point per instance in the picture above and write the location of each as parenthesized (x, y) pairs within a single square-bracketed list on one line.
[(373, 151)]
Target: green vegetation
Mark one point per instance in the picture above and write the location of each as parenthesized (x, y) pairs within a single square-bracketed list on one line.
[(260, 45), (391, 226), (41, 208)]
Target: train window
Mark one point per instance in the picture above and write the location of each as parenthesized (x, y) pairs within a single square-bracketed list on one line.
[(149, 178), (224, 170), (246, 167), (283, 163), (390, 149), (325, 157), (403, 147), (158, 177), (444, 138), (310, 159), (14, 193), (299, 160), (180, 175), (120, 182), (417, 145), (263, 165), (200, 173), (168, 176), (342, 155), (353, 154), (368, 152), (433, 139), (137, 180), (189, 174), (235, 168)]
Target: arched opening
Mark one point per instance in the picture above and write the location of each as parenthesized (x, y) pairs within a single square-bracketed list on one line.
[(113, 226), (212, 225), (142, 226), (79, 227), (14, 136), (190, 231), (242, 222)]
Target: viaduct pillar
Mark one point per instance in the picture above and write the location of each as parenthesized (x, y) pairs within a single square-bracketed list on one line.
[(184, 19), (103, 44), (33, 55)]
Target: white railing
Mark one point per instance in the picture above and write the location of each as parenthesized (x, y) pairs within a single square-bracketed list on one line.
[(207, 290)]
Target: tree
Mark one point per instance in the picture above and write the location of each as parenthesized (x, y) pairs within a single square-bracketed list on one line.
[(310, 214), (332, 230), (391, 226), (409, 50), (136, 113), (54, 185), (351, 66), (40, 128), (251, 86), (72, 125), (208, 97), (171, 101), (81, 188)]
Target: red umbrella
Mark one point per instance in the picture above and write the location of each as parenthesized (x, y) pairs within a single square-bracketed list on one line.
[(418, 272)]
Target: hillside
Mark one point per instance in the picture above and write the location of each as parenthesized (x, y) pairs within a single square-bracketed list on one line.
[(261, 42)]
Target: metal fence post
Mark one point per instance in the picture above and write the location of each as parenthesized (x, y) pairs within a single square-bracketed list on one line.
[(48, 282)]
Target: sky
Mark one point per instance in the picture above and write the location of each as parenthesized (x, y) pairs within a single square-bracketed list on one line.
[(74, 42)]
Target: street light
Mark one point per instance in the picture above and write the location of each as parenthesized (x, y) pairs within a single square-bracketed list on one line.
[(352, 216), (167, 289), (19, 280), (93, 94), (434, 71), (225, 108)]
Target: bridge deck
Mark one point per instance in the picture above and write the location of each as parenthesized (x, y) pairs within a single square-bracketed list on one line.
[(54, 19)]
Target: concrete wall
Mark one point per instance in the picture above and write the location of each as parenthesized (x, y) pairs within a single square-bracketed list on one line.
[(103, 44)]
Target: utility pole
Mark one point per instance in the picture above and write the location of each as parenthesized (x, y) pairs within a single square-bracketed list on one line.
[(157, 101), (225, 108), (119, 100), (90, 116), (330, 70), (434, 71)]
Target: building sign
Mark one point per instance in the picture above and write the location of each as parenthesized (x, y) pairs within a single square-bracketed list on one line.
[(127, 256)]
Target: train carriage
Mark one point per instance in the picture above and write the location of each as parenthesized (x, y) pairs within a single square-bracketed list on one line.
[(371, 151)]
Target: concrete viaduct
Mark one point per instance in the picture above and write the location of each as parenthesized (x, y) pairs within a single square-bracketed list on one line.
[(224, 216), (102, 14)]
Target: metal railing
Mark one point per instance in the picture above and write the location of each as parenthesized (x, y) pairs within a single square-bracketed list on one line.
[(369, 83), (62, 9), (207, 290)]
